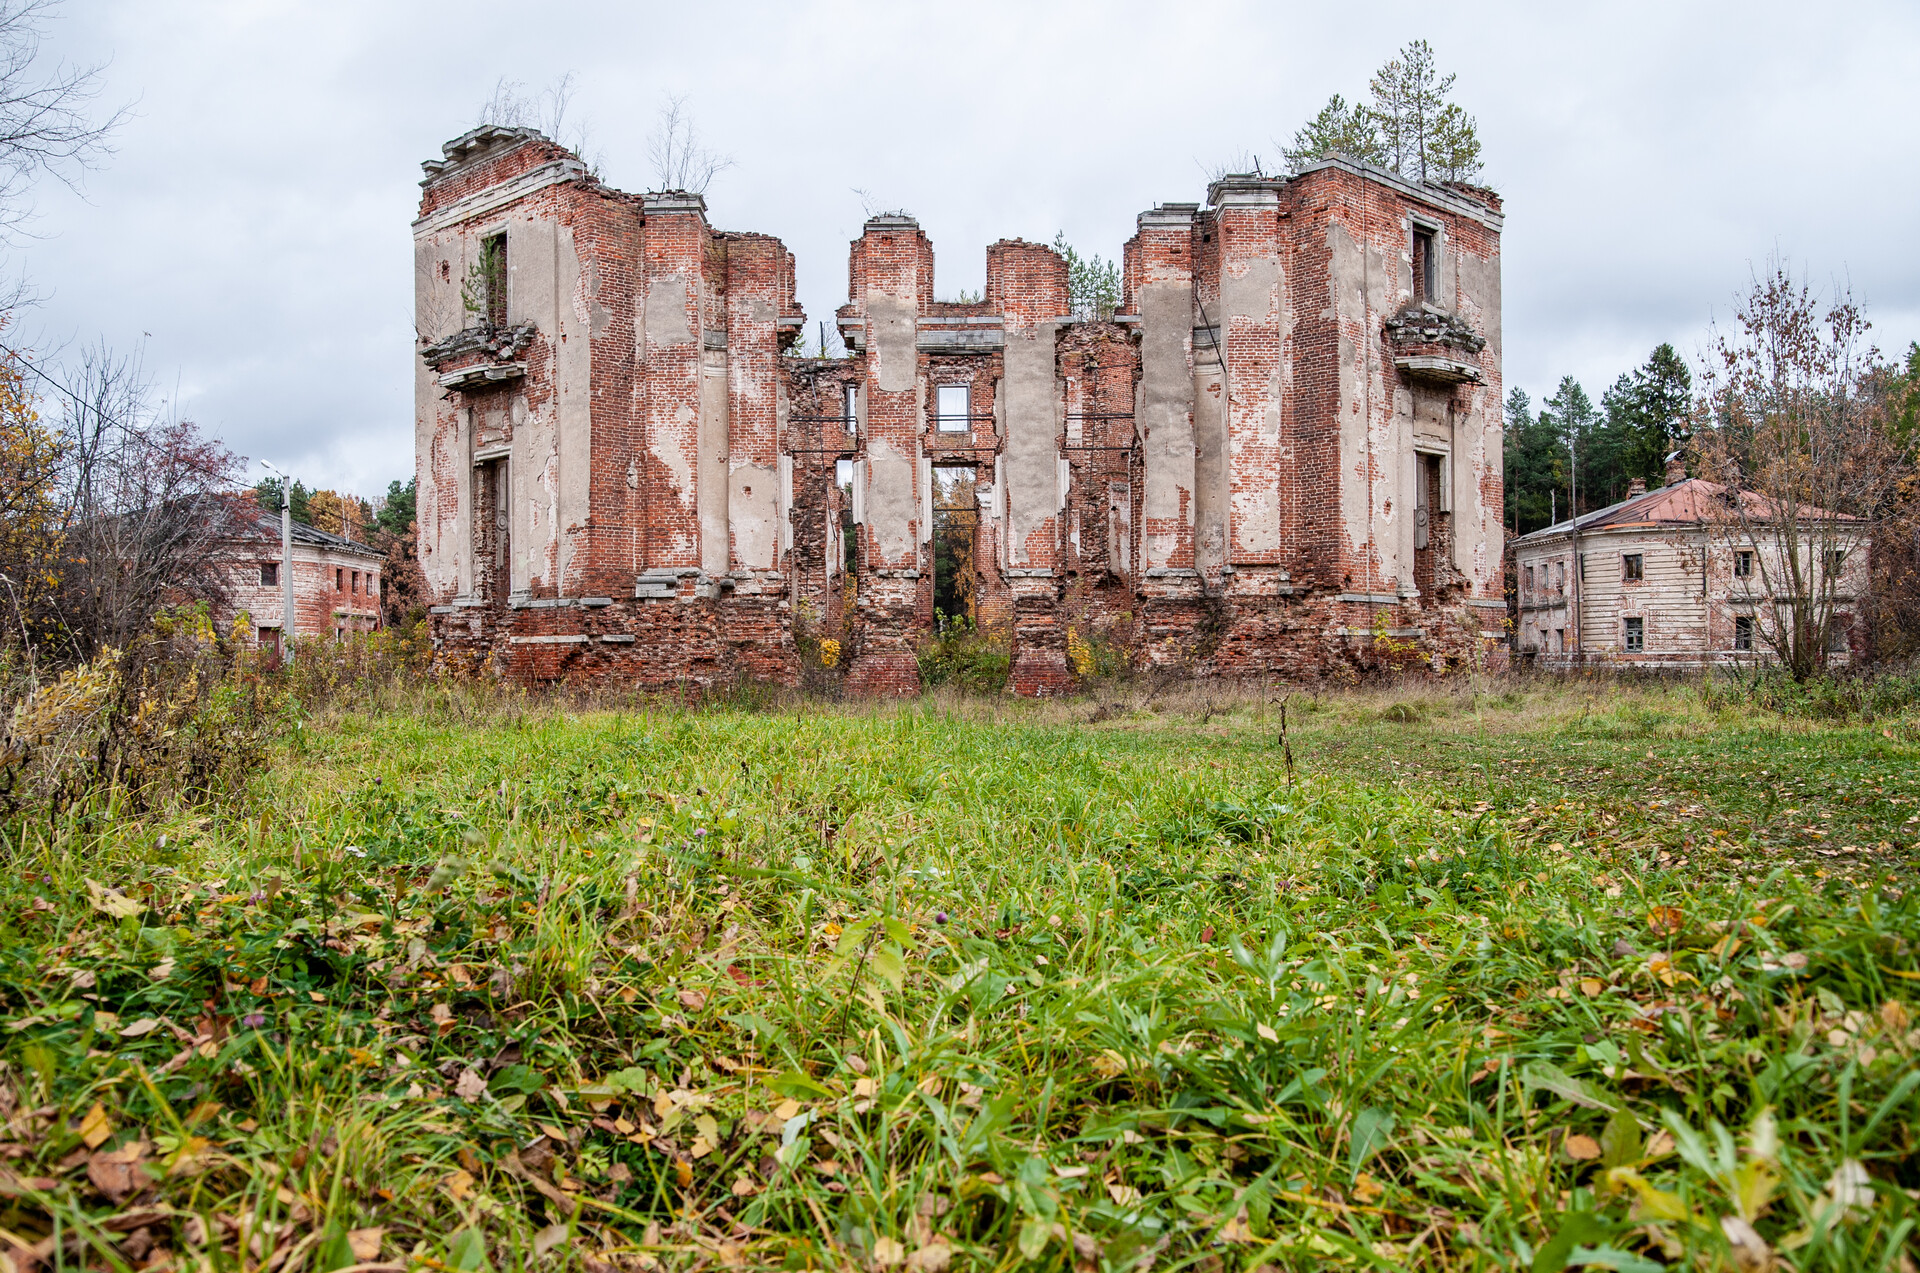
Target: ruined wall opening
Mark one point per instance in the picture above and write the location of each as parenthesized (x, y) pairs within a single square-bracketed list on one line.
[(1432, 525), (492, 571), (956, 539)]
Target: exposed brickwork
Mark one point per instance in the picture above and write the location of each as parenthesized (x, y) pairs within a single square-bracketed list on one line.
[(336, 584), (1274, 450)]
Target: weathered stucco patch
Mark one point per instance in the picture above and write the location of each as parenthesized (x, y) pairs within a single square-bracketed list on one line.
[(890, 324), (666, 317), (890, 502)]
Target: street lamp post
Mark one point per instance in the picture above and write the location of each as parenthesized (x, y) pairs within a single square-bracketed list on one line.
[(1573, 511), (286, 560)]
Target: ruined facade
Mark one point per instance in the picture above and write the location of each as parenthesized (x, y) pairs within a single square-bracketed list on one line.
[(1284, 445)]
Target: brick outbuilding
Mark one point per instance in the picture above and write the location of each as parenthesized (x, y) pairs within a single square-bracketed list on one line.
[(336, 581), (1285, 444)]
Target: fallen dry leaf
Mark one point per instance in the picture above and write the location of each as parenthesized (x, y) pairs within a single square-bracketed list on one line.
[(365, 1243), (140, 1029), (932, 1258), (460, 1185), (469, 1086), (1582, 1148), (117, 1175), (1366, 1188), (94, 1128), (1235, 1230), (549, 1238), (1665, 920), (888, 1252), (692, 1000)]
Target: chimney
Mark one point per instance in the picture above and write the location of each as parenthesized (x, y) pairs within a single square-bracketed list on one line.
[(1676, 470), (1636, 488)]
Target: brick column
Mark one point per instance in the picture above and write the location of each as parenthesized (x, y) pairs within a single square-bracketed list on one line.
[(892, 279)]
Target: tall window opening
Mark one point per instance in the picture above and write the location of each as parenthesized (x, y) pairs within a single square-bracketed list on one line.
[(850, 409), (1636, 635), (269, 573), (1633, 566), (953, 408), (849, 548), (1742, 564), (956, 527), (491, 281), (1425, 273), (1743, 632), (492, 549)]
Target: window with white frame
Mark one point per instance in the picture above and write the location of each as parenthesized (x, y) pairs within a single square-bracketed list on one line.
[(953, 408)]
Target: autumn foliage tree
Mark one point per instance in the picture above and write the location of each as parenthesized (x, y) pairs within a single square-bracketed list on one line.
[(1789, 424)]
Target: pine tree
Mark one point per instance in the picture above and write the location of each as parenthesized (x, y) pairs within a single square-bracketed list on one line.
[(1338, 129), (1571, 417), (1093, 284), (1409, 126), (1648, 415), (1534, 466)]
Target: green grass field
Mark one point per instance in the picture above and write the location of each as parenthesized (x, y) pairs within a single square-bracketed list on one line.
[(1548, 979)]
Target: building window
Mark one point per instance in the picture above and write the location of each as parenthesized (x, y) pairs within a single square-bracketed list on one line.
[(1636, 635), (1633, 566), (850, 409), (953, 405), (1743, 564), (1559, 640), (1560, 575), (269, 573), (1528, 585), (1743, 632), (1836, 558), (356, 583), (1426, 262), (1837, 642), (372, 582), (339, 579)]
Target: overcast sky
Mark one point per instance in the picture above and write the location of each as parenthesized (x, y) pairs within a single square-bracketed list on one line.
[(252, 229)]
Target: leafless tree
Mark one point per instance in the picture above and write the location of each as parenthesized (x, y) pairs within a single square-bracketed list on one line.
[(148, 503), (511, 106), (1788, 424), (681, 161), (47, 122)]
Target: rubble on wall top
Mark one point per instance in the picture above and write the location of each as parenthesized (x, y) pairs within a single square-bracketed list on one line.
[(477, 143), (674, 201), (891, 221)]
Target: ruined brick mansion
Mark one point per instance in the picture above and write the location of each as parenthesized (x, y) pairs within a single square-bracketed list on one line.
[(1281, 452)]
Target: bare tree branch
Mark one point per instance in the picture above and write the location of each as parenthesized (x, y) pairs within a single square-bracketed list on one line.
[(47, 123), (680, 160)]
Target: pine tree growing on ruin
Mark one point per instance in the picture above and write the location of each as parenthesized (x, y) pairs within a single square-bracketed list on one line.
[(1410, 125), (1339, 129), (1093, 284)]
